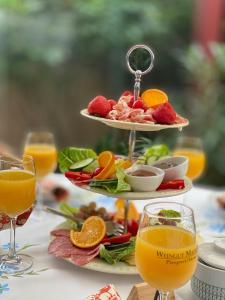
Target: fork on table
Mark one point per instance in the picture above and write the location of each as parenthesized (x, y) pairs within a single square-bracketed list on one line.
[(112, 228)]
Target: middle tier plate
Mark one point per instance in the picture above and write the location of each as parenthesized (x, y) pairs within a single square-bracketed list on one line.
[(142, 195)]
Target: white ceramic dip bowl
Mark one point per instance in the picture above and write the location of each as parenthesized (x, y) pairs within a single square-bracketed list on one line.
[(174, 167), (143, 178)]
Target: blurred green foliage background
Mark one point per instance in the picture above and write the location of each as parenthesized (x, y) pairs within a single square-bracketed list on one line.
[(55, 55)]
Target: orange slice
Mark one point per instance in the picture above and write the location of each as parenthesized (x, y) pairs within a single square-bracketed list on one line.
[(154, 97), (125, 164), (106, 161), (133, 214), (104, 158), (91, 234)]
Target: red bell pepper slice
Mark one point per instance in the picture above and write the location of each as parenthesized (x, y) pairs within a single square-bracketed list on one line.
[(78, 176), (117, 239), (173, 184)]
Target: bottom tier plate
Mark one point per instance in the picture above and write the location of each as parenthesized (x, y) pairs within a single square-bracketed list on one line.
[(99, 265)]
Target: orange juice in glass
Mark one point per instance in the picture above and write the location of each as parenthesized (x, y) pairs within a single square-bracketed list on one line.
[(41, 146), (166, 250), (192, 148), (17, 191), (17, 194), (166, 256), (45, 157)]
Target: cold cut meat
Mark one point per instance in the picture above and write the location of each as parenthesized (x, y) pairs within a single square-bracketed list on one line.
[(61, 246), (60, 232)]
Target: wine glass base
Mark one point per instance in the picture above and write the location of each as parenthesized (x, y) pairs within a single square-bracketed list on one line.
[(37, 214), (19, 264)]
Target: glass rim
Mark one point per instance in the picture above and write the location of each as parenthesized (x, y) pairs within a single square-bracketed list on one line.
[(17, 161), (190, 138), (186, 216), (40, 132)]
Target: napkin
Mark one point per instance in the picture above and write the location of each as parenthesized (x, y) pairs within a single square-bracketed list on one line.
[(108, 292), (21, 219)]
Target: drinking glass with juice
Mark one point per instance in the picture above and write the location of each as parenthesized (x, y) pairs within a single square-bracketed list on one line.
[(41, 146), (17, 194), (192, 148), (166, 249), (45, 157)]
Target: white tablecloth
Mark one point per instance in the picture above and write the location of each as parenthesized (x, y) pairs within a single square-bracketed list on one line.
[(62, 280)]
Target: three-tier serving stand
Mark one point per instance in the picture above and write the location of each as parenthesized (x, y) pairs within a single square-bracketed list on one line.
[(133, 127)]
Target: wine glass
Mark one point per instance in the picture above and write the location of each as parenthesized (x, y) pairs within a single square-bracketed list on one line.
[(192, 148), (166, 248), (17, 194), (41, 146)]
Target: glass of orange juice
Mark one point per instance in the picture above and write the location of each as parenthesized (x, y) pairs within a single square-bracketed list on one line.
[(192, 148), (166, 248), (41, 146), (17, 194)]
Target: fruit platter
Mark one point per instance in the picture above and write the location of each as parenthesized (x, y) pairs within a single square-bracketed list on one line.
[(152, 111)]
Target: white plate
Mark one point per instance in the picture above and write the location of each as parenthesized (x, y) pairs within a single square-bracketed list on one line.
[(132, 125), (211, 255), (99, 265), (220, 244), (142, 195)]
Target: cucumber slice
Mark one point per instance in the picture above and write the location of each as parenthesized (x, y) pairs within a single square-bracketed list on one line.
[(151, 160), (81, 164), (91, 167)]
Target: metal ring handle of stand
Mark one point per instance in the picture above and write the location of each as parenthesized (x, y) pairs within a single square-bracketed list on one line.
[(149, 50)]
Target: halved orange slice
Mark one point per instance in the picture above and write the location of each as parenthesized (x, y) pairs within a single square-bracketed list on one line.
[(154, 97), (91, 234), (106, 160), (133, 214)]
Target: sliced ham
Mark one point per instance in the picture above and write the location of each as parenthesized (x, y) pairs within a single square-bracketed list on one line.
[(61, 246), (81, 260), (59, 242), (122, 112), (60, 232), (180, 120)]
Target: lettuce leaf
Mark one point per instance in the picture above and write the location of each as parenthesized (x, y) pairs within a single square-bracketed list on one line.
[(113, 186), (157, 150), (170, 213), (153, 154), (68, 156), (113, 256), (67, 209), (122, 185)]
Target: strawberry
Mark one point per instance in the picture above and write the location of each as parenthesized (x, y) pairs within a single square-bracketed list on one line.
[(112, 103), (99, 106), (131, 102), (127, 93), (138, 104), (164, 114)]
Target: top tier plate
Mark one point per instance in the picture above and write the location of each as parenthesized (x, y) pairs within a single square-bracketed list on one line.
[(131, 125)]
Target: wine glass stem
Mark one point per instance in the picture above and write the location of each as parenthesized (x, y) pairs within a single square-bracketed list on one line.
[(163, 295), (12, 246), (39, 202)]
